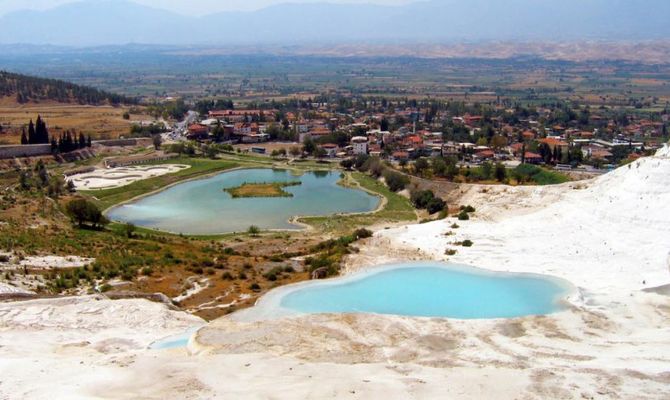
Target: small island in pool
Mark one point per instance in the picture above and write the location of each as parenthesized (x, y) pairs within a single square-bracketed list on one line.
[(200, 207), (271, 189)]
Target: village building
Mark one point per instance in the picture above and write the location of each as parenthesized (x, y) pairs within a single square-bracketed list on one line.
[(359, 145)]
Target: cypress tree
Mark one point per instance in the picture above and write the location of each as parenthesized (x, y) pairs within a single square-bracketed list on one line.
[(82, 140), (39, 130), (69, 143), (88, 141), (31, 133), (24, 138), (43, 133), (555, 155)]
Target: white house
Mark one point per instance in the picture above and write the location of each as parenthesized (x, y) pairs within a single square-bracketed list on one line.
[(359, 145)]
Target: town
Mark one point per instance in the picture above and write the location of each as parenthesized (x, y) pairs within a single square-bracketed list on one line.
[(561, 136)]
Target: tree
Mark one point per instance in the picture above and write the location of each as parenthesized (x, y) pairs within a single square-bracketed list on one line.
[(31, 133), (83, 212), (487, 170), (126, 115), (24, 138), (347, 164), (360, 161), (395, 181), (435, 205), (211, 152), (439, 166), (421, 198), (41, 132), (498, 142), (500, 172), (452, 168), (295, 151), (421, 165), (308, 145), (157, 141), (82, 140), (384, 124), (129, 230), (320, 152)]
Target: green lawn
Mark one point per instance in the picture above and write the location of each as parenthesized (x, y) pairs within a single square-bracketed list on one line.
[(199, 166), (397, 209)]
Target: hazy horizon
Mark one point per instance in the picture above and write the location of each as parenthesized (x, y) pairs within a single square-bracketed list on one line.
[(188, 8), (278, 22)]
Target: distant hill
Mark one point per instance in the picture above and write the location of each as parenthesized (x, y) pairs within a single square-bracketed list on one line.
[(29, 88), (92, 23)]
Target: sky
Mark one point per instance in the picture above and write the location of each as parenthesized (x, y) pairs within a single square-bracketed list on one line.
[(187, 7)]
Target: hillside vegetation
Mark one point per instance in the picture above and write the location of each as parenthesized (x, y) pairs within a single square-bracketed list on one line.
[(29, 88)]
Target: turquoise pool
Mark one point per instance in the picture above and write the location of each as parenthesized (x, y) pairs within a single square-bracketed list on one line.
[(174, 342), (202, 207), (427, 289)]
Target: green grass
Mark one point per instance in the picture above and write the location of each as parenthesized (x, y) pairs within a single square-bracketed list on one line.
[(546, 177), (109, 197), (397, 209), (538, 175)]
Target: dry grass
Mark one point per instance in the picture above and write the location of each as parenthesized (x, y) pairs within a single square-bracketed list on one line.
[(261, 190), (100, 122)]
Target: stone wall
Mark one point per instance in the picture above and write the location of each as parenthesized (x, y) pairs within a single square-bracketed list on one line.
[(28, 150)]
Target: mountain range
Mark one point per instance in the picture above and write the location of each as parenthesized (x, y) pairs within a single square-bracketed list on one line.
[(114, 22)]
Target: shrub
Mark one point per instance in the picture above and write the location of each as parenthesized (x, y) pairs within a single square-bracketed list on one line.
[(242, 276), (467, 243), (374, 166), (129, 229), (362, 233), (360, 161), (450, 252), (421, 198), (229, 251), (455, 226), (500, 172), (273, 274), (347, 164), (395, 181), (83, 211), (468, 209), (227, 276), (463, 216), (435, 205), (421, 165), (253, 230), (255, 287)]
